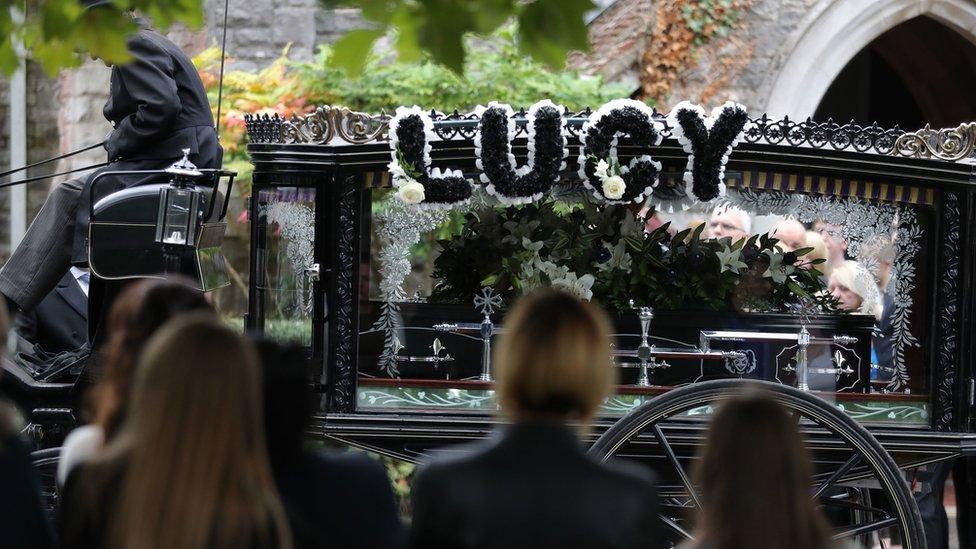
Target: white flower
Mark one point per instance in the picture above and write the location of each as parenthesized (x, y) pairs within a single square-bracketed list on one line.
[(397, 171), (578, 286), (601, 170), (411, 192), (613, 187)]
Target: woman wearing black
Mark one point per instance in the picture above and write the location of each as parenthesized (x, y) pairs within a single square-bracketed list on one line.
[(532, 484)]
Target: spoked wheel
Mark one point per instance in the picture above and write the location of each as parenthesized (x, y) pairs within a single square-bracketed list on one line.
[(666, 433)]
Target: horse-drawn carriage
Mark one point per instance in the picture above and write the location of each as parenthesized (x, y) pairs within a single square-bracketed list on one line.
[(396, 276)]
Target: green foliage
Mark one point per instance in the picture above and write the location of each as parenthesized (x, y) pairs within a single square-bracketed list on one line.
[(57, 33), (494, 70), (602, 252), (550, 28)]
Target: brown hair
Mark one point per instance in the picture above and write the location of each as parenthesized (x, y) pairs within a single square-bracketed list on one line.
[(755, 477), (135, 316), (554, 358), (196, 471)]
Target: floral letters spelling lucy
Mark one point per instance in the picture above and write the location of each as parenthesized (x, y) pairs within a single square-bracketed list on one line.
[(411, 131), (708, 140), (546, 144)]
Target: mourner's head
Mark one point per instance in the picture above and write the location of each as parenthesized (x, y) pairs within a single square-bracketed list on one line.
[(755, 479), (729, 221), (139, 311), (854, 287), (819, 251), (833, 236), (288, 398), (553, 359), (792, 235)]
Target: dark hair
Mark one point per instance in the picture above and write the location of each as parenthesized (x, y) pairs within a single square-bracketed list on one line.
[(755, 478), (137, 313), (288, 399)]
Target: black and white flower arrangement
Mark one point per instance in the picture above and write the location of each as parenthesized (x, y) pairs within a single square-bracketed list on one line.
[(708, 140), (411, 132), (600, 168), (510, 184)]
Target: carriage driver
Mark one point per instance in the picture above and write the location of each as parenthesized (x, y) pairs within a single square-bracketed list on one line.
[(158, 107)]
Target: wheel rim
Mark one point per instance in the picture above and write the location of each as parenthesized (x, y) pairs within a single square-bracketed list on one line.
[(649, 432)]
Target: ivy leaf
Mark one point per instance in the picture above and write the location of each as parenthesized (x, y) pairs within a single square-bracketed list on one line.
[(551, 28), (351, 50)]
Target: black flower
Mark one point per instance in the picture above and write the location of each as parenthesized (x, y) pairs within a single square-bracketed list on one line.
[(603, 254), (750, 252), (789, 258)]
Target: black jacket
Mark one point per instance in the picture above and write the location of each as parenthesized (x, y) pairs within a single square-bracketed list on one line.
[(59, 322), (531, 485), (338, 500), (158, 107), (23, 520)]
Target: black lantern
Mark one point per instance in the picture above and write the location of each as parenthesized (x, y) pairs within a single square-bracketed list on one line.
[(179, 205)]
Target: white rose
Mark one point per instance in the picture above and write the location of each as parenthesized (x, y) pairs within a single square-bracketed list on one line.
[(613, 187), (411, 193)]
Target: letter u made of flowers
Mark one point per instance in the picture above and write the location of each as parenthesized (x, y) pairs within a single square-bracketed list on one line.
[(600, 169), (411, 132), (708, 140), (545, 129)]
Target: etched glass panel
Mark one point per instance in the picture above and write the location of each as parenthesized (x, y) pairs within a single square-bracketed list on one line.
[(285, 256)]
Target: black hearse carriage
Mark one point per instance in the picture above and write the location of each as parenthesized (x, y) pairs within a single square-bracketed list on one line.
[(398, 301)]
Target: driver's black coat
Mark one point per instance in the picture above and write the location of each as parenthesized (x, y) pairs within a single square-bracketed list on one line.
[(158, 106)]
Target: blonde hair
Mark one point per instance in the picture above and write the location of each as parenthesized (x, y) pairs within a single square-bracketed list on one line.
[(856, 278), (196, 472), (819, 251), (554, 358)]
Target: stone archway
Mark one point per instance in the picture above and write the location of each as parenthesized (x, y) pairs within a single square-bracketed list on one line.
[(834, 32)]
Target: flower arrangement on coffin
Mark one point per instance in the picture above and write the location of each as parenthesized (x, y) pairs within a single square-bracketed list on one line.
[(603, 253)]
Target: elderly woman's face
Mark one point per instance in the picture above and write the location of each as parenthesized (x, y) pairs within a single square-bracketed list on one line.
[(849, 300)]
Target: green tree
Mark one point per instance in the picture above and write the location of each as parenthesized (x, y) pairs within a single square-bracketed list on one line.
[(58, 33), (549, 28)]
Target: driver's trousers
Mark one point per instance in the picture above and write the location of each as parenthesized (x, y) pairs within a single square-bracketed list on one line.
[(44, 255)]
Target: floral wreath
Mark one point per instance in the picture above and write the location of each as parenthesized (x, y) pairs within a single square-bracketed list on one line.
[(546, 146), (599, 168), (708, 140), (411, 132)]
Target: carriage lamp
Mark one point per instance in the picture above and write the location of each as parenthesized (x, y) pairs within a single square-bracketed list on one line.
[(179, 205)]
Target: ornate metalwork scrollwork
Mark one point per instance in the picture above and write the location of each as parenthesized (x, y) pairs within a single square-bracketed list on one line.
[(328, 123), (343, 307), (950, 144), (948, 321)]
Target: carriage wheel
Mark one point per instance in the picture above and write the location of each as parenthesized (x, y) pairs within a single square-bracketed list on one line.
[(665, 434)]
